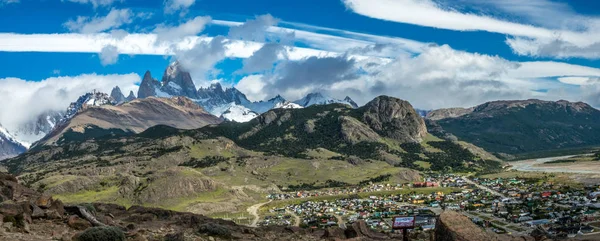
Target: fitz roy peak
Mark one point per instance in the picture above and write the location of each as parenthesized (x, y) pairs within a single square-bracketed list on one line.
[(176, 82), (228, 103)]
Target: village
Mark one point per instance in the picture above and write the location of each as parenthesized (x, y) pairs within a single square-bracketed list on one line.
[(514, 206)]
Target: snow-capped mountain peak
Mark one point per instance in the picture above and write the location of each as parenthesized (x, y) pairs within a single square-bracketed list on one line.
[(34, 130), (351, 102), (320, 99), (172, 69), (90, 99), (216, 87), (178, 82), (9, 146), (6, 136), (287, 105)]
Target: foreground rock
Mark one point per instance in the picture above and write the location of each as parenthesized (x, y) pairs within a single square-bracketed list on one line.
[(452, 226)]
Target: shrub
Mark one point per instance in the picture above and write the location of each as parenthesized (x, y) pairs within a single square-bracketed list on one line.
[(104, 233), (90, 207), (215, 230)]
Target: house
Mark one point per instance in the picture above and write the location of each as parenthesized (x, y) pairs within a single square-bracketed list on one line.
[(534, 223)]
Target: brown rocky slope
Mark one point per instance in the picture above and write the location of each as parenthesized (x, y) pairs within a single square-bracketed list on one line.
[(136, 116)]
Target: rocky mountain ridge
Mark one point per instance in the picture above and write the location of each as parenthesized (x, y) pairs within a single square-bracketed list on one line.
[(520, 126), (229, 103), (320, 99), (104, 118)]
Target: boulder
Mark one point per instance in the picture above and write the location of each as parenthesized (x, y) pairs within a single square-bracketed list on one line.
[(44, 201), (334, 233), (37, 212), (11, 209), (78, 223), (58, 207)]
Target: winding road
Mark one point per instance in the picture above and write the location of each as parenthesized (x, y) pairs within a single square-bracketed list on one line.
[(253, 210)]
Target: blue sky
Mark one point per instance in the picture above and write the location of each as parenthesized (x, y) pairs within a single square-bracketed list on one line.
[(434, 53)]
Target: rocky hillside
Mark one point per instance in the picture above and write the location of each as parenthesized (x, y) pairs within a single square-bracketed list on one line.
[(91, 121), (223, 168), (336, 127), (448, 113), (30, 215), (516, 127)]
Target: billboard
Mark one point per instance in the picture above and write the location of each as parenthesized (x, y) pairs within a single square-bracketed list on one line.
[(403, 222)]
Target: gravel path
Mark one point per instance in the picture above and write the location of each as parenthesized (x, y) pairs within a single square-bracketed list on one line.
[(253, 210)]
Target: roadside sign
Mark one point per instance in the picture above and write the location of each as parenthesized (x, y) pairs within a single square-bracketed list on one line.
[(403, 222)]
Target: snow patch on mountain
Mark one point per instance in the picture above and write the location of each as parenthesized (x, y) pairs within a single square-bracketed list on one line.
[(320, 99), (238, 113), (36, 129), (90, 99), (287, 105), (9, 146), (6, 136)]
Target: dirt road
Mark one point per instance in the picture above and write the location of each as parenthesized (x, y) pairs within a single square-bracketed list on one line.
[(296, 218), (253, 210)]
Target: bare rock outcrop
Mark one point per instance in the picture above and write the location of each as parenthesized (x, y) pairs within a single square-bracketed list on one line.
[(448, 113), (354, 131), (452, 226), (394, 118)]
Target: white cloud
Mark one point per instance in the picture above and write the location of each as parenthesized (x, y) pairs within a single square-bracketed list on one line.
[(190, 28), (95, 3), (109, 55), (542, 69), (253, 29), (336, 40), (114, 19), (413, 12), (575, 80), (172, 6), (439, 77), (201, 59), (265, 58), (556, 47), (146, 44), (252, 86), (3, 2), (54, 93), (579, 36), (56, 72)]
